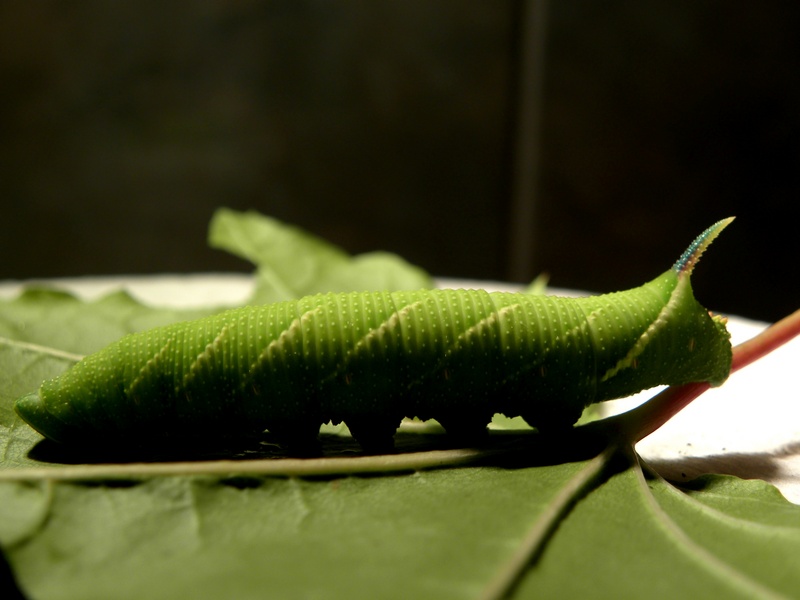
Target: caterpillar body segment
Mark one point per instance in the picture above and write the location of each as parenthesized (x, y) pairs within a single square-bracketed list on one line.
[(369, 359)]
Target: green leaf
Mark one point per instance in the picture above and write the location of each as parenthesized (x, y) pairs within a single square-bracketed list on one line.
[(59, 320), (637, 538), (361, 526), (538, 286), (387, 537), (293, 263)]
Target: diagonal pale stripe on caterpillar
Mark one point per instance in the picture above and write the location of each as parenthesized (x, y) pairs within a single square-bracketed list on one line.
[(662, 320), (208, 359), (280, 351), (140, 385), (385, 335), (474, 335), (371, 358)]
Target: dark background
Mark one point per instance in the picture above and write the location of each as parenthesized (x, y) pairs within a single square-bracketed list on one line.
[(478, 139)]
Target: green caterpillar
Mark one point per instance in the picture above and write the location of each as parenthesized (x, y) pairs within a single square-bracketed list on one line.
[(370, 359)]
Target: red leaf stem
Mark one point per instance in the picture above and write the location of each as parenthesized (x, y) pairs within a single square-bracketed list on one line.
[(643, 420)]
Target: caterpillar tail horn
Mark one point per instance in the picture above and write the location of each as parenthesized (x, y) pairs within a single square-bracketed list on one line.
[(686, 263)]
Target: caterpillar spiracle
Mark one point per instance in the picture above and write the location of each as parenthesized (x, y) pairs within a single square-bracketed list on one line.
[(371, 358)]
